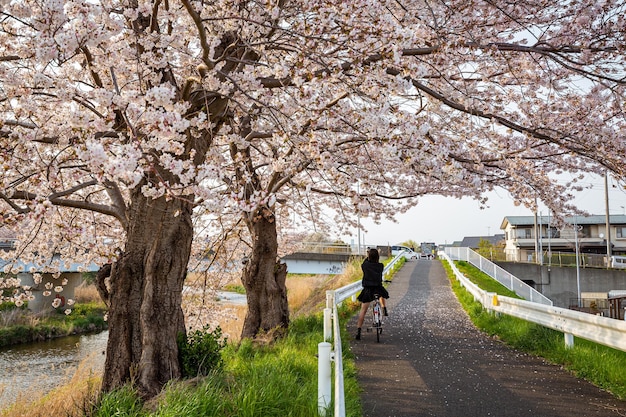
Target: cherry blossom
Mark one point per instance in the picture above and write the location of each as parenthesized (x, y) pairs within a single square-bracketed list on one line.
[(128, 125)]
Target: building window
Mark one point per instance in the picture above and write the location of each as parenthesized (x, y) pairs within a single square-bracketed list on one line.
[(620, 231), (585, 231), (552, 233), (523, 233)]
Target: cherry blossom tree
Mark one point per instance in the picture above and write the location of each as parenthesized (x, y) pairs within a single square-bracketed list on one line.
[(123, 122)]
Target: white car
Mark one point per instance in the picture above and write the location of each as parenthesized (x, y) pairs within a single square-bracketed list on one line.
[(409, 254)]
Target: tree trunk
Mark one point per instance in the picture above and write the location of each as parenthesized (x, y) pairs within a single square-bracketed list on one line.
[(145, 314), (264, 280)]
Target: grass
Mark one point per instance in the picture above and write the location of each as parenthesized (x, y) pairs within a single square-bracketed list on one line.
[(279, 379), (24, 327), (276, 379), (598, 364)]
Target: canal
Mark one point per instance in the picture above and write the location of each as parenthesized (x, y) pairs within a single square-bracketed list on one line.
[(37, 368)]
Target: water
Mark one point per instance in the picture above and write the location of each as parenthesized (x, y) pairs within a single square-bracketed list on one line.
[(37, 368)]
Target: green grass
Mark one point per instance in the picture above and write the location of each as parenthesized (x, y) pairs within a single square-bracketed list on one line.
[(483, 280), (239, 289), (600, 365), (279, 379), (86, 317)]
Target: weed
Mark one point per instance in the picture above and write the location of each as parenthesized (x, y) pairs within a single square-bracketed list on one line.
[(200, 351)]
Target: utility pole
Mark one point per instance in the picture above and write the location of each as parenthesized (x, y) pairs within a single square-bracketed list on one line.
[(608, 219), (576, 229), (536, 235)]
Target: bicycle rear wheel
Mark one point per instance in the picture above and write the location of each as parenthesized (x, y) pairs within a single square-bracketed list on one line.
[(377, 320)]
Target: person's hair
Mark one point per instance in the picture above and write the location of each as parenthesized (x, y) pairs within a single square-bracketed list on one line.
[(373, 255)]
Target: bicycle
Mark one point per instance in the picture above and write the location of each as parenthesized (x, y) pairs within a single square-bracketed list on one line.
[(377, 323)]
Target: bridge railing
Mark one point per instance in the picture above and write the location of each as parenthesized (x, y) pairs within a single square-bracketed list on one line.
[(598, 329), (326, 247), (326, 354), (499, 274)]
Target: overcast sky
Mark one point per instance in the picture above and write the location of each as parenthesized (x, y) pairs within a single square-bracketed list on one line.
[(445, 220)]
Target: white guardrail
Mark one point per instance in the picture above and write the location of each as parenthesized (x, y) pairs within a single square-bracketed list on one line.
[(326, 354), (504, 277), (602, 330)]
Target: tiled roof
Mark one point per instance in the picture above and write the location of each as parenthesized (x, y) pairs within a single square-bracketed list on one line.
[(474, 241)]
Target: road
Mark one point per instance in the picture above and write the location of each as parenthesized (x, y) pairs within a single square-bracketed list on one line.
[(432, 361)]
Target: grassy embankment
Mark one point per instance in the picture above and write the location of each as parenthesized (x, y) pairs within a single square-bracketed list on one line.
[(276, 379), (18, 325), (600, 365)]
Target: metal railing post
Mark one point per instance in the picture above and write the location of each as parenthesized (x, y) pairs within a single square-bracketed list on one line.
[(324, 382), (328, 324), (328, 315)]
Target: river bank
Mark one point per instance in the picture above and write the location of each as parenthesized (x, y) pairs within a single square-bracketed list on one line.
[(219, 308), (18, 325), (31, 370)]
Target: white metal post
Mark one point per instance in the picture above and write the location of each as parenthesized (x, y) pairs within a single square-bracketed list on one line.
[(569, 340), (328, 324), (324, 383)]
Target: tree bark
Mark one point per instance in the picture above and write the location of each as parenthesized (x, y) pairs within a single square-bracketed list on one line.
[(264, 280), (145, 314)]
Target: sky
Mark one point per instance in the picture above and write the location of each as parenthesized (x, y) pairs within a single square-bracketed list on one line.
[(446, 220)]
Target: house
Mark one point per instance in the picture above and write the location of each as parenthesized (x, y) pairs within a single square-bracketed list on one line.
[(524, 236), (473, 242)]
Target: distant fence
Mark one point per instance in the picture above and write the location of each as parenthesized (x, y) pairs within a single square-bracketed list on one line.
[(598, 329), (326, 247), (494, 271)]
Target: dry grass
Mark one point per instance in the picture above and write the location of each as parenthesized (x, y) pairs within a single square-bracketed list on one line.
[(302, 287), (316, 300), (86, 293), (72, 399), (17, 317)]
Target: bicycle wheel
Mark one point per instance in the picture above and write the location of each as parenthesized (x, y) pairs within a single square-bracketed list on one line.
[(377, 321)]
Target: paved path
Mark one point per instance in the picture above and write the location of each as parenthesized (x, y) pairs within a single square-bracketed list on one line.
[(432, 361)]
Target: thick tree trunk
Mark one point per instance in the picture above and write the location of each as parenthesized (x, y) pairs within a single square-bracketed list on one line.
[(145, 313), (264, 280)]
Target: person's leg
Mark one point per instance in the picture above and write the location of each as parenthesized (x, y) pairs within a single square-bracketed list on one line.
[(364, 307), (361, 318), (383, 305)]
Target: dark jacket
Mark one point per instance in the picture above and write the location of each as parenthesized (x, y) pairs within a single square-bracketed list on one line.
[(372, 273)]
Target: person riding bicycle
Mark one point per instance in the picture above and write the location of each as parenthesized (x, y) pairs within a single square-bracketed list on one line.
[(372, 284)]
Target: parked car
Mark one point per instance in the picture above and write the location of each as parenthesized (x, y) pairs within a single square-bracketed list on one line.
[(406, 251)]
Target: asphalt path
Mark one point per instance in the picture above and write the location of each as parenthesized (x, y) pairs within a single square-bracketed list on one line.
[(432, 361)]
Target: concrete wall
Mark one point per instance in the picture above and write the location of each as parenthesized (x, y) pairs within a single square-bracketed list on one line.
[(312, 266), (316, 263), (560, 283), (42, 303)]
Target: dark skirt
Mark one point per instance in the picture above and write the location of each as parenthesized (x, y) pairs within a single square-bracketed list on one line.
[(367, 293)]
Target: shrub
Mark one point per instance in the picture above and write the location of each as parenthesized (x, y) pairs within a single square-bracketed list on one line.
[(200, 351)]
